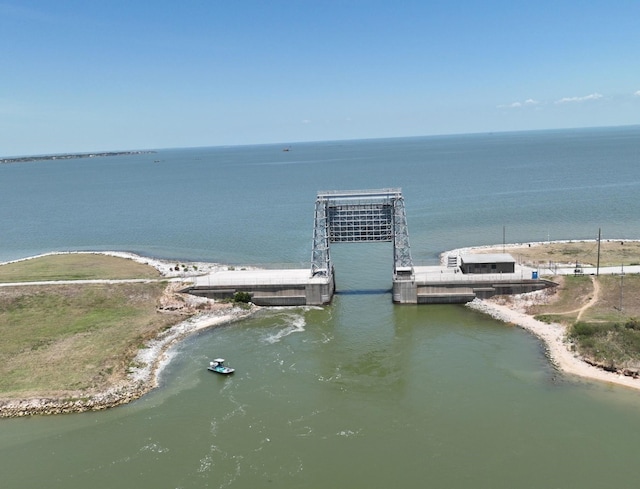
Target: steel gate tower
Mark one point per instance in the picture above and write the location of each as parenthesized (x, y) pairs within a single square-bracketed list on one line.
[(355, 216)]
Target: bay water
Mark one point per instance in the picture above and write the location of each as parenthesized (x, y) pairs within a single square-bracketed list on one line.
[(361, 393)]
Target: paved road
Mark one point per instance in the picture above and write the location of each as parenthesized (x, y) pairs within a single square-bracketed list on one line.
[(591, 270), (96, 281)]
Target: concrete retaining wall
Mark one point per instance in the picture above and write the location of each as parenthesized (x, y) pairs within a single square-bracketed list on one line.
[(309, 294), (315, 293)]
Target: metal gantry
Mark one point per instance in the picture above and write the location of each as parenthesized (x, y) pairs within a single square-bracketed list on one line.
[(403, 265), (360, 216), (320, 256)]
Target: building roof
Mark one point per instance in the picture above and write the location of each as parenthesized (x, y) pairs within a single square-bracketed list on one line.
[(487, 258)]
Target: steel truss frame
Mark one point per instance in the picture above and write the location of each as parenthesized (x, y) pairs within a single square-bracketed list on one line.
[(360, 216)]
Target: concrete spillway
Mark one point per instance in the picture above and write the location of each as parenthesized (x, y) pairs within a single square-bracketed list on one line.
[(428, 285)]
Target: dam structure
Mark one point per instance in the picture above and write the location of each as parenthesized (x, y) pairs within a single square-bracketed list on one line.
[(361, 216), (365, 216)]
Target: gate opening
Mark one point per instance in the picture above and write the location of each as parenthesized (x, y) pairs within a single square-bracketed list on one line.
[(356, 216)]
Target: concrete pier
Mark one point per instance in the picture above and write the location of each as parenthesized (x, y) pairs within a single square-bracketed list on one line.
[(289, 287), (443, 285)]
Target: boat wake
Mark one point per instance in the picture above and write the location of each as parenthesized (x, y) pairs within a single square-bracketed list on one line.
[(294, 323)]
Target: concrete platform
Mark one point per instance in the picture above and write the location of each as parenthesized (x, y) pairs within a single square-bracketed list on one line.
[(429, 285), (258, 277), (435, 274), (438, 284), (283, 287)]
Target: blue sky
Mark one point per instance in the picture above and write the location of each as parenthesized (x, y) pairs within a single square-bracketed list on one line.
[(84, 75)]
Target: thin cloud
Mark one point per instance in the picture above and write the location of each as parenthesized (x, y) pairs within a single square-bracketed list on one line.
[(637, 94), (568, 100), (516, 105), (513, 105)]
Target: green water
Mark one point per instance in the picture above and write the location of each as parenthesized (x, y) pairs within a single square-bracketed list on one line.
[(360, 394)]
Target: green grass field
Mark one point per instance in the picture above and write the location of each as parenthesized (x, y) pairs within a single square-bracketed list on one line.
[(75, 266), (74, 338), (607, 332)]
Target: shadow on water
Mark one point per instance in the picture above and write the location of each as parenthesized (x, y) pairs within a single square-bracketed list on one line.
[(363, 292)]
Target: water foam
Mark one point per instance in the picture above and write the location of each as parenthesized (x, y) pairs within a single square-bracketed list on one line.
[(294, 324)]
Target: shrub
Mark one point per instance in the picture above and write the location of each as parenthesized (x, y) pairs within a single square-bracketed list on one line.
[(243, 297), (633, 323), (584, 330)]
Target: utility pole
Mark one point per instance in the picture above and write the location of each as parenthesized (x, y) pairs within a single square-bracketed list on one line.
[(503, 237), (621, 285), (598, 265)]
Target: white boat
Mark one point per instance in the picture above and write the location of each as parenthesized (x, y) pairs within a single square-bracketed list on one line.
[(219, 367)]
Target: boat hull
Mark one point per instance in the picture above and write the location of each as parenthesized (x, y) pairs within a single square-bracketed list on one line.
[(221, 370)]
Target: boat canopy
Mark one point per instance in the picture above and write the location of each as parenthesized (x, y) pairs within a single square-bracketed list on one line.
[(219, 360)]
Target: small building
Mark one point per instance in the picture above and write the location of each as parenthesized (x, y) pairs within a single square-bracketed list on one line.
[(487, 263)]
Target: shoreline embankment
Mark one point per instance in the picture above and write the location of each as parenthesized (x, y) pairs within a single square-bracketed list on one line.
[(150, 360), (142, 379), (553, 335), (155, 356)]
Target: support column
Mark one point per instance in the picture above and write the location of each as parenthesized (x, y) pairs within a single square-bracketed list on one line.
[(320, 257)]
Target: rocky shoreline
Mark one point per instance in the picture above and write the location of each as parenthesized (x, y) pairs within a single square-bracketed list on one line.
[(150, 360), (140, 381), (553, 335)]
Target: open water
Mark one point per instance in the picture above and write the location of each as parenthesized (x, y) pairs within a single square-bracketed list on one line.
[(361, 393)]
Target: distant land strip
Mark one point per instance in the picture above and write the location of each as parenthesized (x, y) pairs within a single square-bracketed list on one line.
[(70, 156)]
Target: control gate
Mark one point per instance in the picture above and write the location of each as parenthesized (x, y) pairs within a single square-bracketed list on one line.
[(356, 216)]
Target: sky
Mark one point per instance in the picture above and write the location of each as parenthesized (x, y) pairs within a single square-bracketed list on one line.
[(84, 76)]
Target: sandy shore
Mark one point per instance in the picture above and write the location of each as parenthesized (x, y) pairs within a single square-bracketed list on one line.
[(553, 335)]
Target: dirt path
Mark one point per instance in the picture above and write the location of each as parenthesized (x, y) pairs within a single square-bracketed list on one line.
[(594, 298)]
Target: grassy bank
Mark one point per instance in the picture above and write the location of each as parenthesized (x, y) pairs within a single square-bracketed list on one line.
[(601, 312), (61, 339), (612, 253), (74, 338), (601, 318), (75, 266)]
